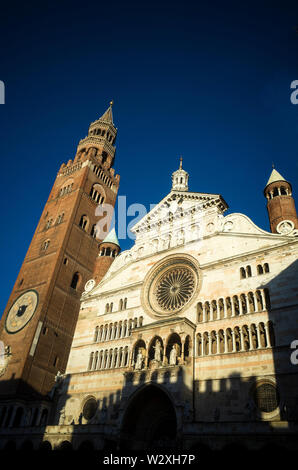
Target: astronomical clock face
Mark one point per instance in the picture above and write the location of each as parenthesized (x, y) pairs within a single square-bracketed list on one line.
[(21, 311)]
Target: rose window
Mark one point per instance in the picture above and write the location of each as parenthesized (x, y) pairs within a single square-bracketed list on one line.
[(175, 288), (171, 285)]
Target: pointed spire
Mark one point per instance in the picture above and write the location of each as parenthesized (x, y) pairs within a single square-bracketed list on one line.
[(275, 176), (111, 238), (108, 114)]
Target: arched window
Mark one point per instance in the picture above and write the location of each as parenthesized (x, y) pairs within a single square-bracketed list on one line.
[(60, 218), (207, 311), (121, 304), (66, 188), (199, 344), (237, 338), (199, 312), (221, 308), (266, 268), (97, 193), (243, 303), (206, 343), (84, 222), (93, 231), (248, 271), (242, 273), (251, 302), (96, 334), (229, 307), (90, 361), (94, 366), (213, 342), (108, 251), (221, 342), (236, 304), (245, 334), (229, 340), (75, 280), (267, 298), (260, 269), (259, 300), (45, 245), (283, 191), (49, 223)]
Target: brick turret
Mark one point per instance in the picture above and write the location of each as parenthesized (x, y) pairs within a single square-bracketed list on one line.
[(280, 204), (109, 248)]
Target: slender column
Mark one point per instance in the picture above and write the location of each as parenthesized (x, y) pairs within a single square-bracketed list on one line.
[(118, 359), (204, 313), (123, 358), (202, 346), (217, 343), (255, 302), (232, 307), (267, 335), (241, 339), (182, 351), (233, 341), (195, 346), (211, 312), (240, 306), (146, 358), (225, 308), (246, 301), (209, 338), (225, 342), (250, 338), (263, 299), (259, 337), (217, 313)]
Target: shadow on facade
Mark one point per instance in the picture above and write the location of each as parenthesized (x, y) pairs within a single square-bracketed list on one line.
[(164, 410)]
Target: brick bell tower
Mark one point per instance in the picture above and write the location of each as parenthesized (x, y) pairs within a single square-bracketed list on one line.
[(38, 323), (280, 204)]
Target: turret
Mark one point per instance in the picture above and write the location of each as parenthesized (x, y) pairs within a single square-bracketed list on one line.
[(109, 248), (280, 204)]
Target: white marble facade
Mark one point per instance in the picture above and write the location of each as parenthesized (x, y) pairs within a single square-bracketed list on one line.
[(236, 329)]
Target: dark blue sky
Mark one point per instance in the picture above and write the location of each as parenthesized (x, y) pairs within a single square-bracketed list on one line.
[(209, 80)]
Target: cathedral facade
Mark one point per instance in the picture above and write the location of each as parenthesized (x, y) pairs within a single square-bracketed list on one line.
[(184, 340)]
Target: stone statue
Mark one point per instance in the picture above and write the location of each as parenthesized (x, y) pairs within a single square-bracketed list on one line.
[(157, 353), (56, 387), (173, 356), (139, 361), (62, 416)]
